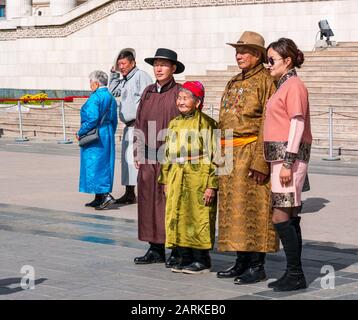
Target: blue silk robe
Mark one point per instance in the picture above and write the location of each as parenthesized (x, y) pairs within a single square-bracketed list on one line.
[(98, 159)]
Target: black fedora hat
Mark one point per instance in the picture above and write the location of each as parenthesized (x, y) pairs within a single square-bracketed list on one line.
[(167, 54)]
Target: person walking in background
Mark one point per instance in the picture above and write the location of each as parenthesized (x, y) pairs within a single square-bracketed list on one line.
[(288, 139), (128, 83), (245, 215), (188, 174), (98, 158), (156, 109)]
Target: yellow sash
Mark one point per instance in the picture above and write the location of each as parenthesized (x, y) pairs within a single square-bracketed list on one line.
[(238, 142)]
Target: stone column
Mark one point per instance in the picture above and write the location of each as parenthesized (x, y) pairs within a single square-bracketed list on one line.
[(18, 8), (59, 7)]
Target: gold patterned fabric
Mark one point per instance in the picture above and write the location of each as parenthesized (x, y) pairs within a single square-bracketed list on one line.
[(245, 213)]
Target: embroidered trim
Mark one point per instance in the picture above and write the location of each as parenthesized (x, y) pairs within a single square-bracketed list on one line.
[(284, 78), (290, 157), (283, 200), (276, 151)]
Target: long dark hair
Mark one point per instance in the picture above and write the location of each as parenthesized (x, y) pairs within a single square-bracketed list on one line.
[(287, 48)]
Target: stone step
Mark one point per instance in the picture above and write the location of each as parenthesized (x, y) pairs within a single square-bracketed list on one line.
[(333, 103), (329, 79), (343, 143), (347, 44), (328, 53), (344, 74)]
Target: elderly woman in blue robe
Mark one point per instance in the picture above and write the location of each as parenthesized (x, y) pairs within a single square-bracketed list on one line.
[(98, 158)]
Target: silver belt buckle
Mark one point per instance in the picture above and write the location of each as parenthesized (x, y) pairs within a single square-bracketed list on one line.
[(180, 160)]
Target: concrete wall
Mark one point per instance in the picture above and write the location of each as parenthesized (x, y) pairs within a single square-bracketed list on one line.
[(197, 34)]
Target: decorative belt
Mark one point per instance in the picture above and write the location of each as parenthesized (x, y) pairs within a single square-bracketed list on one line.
[(182, 160), (238, 141)]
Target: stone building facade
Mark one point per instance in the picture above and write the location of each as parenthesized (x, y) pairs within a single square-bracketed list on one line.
[(59, 50)]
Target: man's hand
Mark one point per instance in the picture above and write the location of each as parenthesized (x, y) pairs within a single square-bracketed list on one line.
[(258, 177), (165, 190), (77, 137), (209, 196), (137, 164)]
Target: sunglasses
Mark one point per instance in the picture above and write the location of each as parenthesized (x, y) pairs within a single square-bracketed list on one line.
[(272, 61)]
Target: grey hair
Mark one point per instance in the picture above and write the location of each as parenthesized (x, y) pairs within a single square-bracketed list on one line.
[(99, 76)]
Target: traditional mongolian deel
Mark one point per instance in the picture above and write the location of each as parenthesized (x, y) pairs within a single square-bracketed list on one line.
[(245, 208), (97, 159), (188, 171), (129, 90), (155, 109)]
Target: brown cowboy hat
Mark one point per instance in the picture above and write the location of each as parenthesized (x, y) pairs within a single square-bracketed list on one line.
[(253, 40)]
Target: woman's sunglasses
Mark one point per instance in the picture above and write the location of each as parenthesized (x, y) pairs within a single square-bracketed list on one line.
[(272, 61)]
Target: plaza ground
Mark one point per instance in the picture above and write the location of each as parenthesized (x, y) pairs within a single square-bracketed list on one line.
[(80, 253)]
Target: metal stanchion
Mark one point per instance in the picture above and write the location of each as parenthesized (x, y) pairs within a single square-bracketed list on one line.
[(21, 138), (330, 128), (212, 111), (65, 139)]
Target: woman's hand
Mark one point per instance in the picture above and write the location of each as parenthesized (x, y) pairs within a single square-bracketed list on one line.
[(285, 176), (77, 137), (209, 196), (258, 177), (166, 190)]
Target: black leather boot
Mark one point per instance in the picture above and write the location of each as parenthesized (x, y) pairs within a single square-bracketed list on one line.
[(96, 202), (106, 201), (128, 197), (155, 254), (294, 278), (241, 264), (174, 258), (255, 272), (186, 258), (296, 223)]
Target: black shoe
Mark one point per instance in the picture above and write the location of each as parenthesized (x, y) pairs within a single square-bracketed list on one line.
[(178, 268), (241, 264), (151, 256), (292, 282), (255, 272), (96, 202), (251, 275), (172, 261), (106, 202), (196, 268), (129, 196)]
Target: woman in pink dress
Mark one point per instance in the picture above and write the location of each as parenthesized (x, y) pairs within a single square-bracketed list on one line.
[(288, 138)]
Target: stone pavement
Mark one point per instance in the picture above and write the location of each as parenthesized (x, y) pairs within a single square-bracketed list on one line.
[(80, 253)]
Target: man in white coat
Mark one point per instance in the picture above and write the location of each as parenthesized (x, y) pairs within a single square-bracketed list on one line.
[(127, 83)]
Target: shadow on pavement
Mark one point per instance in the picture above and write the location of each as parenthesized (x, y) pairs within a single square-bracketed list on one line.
[(5, 284), (314, 205)]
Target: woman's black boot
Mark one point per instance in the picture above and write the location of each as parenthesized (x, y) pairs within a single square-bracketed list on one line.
[(296, 223), (294, 278)]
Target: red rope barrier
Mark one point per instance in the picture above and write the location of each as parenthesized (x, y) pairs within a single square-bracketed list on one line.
[(65, 99)]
